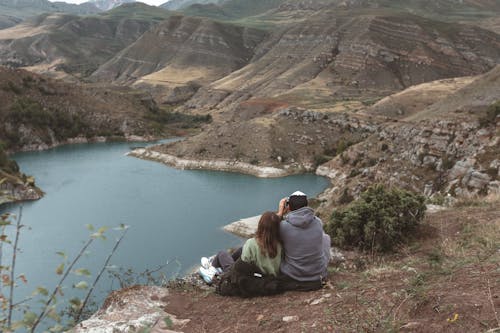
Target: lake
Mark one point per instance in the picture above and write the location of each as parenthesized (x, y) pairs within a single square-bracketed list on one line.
[(175, 216)]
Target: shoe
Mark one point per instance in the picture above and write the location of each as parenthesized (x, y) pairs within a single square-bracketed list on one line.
[(206, 263), (208, 274)]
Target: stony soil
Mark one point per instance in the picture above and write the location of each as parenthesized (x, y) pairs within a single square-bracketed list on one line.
[(447, 280)]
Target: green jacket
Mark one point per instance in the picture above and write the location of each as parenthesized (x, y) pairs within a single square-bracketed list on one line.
[(252, 254)]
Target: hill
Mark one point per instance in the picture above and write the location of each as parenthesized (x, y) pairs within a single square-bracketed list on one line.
[(38, 112), (180, 55), (179, 4), (105, 5), (21, 9), (72, 44), (8, 21), (416, 98), (266, 14), (447, 148), (332, 58)]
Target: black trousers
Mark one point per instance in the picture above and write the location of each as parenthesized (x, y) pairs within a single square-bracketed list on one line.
[(225, 260), (287, 284)]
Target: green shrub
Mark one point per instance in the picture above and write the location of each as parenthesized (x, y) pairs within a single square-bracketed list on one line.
[(378, 221), (321, 159), (29, 112), (165, 117), (342, 146), (6, 164), (11, 86), (490, 116)]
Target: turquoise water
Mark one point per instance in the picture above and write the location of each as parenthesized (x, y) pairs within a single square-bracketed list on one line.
[(174, 215)]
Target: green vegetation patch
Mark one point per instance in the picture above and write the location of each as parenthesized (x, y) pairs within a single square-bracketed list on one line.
[(162, 118), (31, 113), (489, 118), (378, 221), (7, 164)]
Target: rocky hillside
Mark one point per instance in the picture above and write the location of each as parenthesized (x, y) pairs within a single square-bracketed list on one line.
[(182, 54), (37, 112), (282, 109), (335, 57), (75, 45), (447, 147), (8, 21)]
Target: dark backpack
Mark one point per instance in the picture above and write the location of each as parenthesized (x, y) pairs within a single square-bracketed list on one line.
[(246, 280)]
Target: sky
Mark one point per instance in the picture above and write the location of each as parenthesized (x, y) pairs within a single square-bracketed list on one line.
[(149, 2)]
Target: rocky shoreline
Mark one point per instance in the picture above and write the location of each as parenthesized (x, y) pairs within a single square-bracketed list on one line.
[(10, 193), (217, 165)]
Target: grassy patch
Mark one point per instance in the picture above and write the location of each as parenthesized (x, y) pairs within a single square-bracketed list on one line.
[(164, 118)]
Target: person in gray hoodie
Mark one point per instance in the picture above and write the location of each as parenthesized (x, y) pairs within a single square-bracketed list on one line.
[(306, 246)]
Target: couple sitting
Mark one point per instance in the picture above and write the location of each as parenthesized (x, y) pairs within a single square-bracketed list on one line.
[(290, 251)]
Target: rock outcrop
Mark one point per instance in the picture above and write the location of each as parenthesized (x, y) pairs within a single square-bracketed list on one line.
[(14, 188), (448, 148), (131, 310)]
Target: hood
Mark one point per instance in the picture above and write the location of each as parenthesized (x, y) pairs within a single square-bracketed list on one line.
[(301, 218)]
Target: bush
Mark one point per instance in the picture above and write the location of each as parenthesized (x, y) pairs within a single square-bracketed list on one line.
[(6, 164), (378, 221), (490, 116), (321, 159), (31, 113)]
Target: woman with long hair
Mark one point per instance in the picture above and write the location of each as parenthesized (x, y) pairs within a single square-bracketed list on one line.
[(263, 250)]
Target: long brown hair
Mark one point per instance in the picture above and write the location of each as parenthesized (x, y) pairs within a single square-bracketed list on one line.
[(268, 234)]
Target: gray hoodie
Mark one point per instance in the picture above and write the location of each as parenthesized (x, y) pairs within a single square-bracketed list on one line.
[(302, 236)]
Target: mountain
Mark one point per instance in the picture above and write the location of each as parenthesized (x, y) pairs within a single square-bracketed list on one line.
[(181, 54), (236, 11), (179, 4), (21, 9), (267, 14), (105, 5), (72, 44), (8, 21), (336, 58)]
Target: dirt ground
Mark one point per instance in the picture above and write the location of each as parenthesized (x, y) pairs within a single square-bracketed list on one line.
[(447, 280)]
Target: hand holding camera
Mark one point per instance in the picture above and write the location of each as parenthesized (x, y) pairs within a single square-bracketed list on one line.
[(283, 207)]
